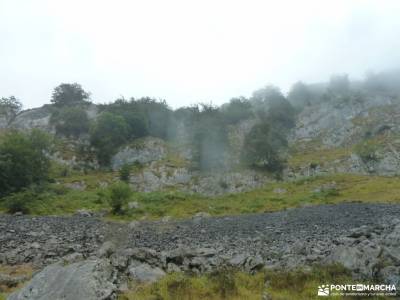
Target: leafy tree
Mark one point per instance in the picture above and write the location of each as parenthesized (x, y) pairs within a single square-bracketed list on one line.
[(137, 123), (120, 193), (157, 114), (107, 133), (9, 108), (236, 110), (69, 94), (144, 116), (23, 160), (136, 119), (271, 105), (281, 115), (262, 148), (70, 121)]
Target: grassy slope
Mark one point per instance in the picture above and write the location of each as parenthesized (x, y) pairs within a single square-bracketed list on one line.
[(60, 200)]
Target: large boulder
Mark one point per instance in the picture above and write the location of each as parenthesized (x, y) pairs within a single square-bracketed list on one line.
[(143, 272), (370, 252), (86, 280), (362, 260)]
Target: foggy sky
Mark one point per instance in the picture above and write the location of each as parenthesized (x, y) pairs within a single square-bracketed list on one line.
[(189, 51)]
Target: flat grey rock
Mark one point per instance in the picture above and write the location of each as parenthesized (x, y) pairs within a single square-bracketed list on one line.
[(87, 280)]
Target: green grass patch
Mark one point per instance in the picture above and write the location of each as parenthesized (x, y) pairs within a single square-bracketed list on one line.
[(93, 180), (224, 284), (233, 284), (302, 285), (317, 156), (18, 270)]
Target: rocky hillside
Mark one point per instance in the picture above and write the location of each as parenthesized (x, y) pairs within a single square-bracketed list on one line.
[(352, 133), (358, 134)]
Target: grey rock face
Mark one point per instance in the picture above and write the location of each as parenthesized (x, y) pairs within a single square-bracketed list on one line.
[(226, 182), (33, 118), (157, 177), (88, 280), (333, 120), (147, 150), (342, 123), (40, 118)]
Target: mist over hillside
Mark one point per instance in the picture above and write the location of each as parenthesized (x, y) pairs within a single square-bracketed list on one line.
[(253, 132)]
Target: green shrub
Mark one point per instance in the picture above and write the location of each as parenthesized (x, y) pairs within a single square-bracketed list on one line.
[(119, 194), (23, 160), (262, 148), (366, 150), (236, 110), (271, 105), (108, 133), (125, 172), (58, 189), (70, 121), (20, 202), (9, 108), (223, 184), (137, 165)]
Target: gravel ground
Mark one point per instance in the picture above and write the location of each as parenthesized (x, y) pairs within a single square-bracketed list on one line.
[(46, 239), (313, 222)]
